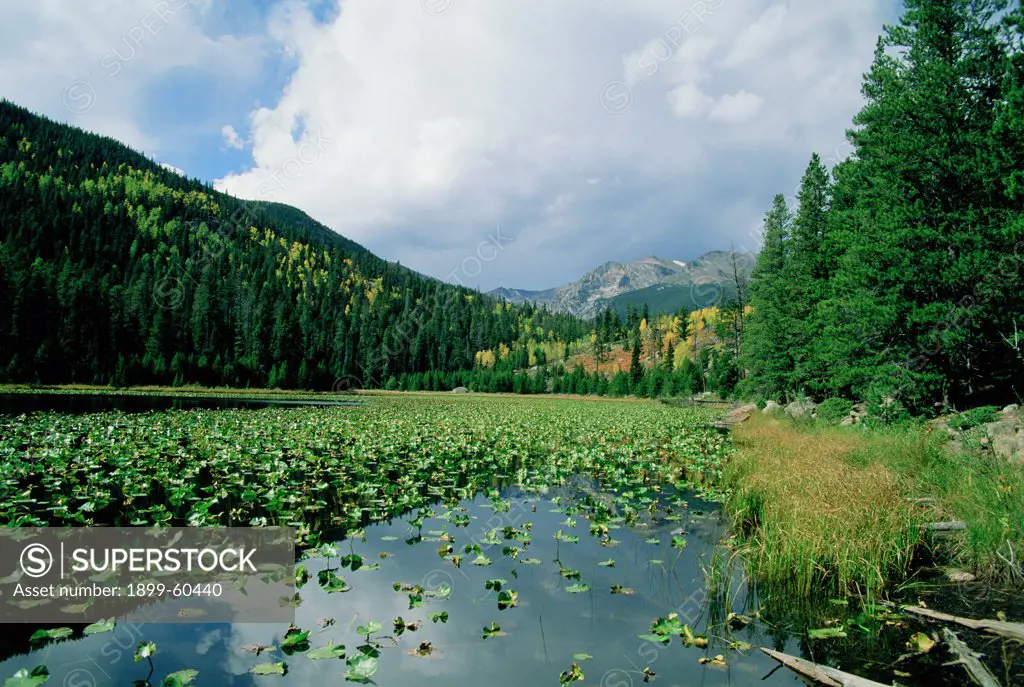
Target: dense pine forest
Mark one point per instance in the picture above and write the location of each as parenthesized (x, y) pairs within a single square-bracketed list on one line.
[(114, 270), (898, 279)]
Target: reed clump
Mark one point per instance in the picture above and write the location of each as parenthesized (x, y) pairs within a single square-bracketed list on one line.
[(818, 513)]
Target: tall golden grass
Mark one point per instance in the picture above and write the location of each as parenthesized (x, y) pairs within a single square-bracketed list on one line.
[(813, 520)]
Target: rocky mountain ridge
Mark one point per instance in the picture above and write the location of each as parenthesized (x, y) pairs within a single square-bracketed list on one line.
[(664, 285)]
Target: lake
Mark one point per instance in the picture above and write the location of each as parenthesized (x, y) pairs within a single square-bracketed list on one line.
[(73, 403), (565, 612), (460, 503)]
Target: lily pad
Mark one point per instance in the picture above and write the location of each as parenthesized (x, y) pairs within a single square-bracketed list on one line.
[(270, 668), (181, 678), (26, 678), (100, 626), (826, 633), (330, 650), (360, 668), (55, 633)]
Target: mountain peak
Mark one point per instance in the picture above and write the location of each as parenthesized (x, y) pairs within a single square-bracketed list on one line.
[(664, 285)]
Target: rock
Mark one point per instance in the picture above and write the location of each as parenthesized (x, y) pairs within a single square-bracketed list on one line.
[(1012, 408), (957, 576), (740, 414), (848, 420), (941, 425), (772, 408), (460, 390), (859, 410), (1003, 436), (798, 409)]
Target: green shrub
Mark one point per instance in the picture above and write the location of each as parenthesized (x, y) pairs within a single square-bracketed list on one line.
[(974, 417), (887, 411), (833, 410)]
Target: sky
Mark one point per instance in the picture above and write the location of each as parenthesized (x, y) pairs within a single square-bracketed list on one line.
[(483, 142)]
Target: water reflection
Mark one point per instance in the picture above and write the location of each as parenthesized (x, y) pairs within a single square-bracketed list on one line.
[(549, 628)]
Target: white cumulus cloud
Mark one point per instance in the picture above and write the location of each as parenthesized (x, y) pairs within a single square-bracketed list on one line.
[(231, 137), (416, 128)]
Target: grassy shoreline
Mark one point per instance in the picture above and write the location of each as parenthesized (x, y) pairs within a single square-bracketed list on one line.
[(838, 509)]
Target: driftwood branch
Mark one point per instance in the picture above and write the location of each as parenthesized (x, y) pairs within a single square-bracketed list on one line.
[(824, 675), (999, 627), (969, 660)]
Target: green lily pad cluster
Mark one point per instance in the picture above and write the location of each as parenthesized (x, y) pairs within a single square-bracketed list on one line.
[(339, 468)]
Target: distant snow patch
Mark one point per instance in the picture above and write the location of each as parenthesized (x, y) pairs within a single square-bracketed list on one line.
[(681, 264)]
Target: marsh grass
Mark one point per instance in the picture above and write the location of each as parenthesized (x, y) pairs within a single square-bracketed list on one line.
[(826, 509), (814, 518), (985, 491)]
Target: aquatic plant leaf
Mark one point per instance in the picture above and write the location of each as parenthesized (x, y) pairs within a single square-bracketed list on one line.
[(360, 667), (54, 633), (332, 583), (330, 650), (181, 678), (921, 643), (274, 668), (826, 633), (443, 591), (369, 628), (669, 626), (492, 630), (28, 678), (295, 639), (507, 599), (573, 674), (301, 575), (100, 626)]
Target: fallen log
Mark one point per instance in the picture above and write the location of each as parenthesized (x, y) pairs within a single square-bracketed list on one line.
[(969, 660), (830, 677), (999, 627), (946, 526)]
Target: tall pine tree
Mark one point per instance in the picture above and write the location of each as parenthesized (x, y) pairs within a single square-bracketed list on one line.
[(920, 217), (766, 353)]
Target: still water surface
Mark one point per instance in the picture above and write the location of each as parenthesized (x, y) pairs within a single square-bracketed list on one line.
[(541, 636), (18, 403)]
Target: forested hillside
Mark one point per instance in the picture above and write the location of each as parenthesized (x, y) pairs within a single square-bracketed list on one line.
[(116, 270), (900, 278)]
